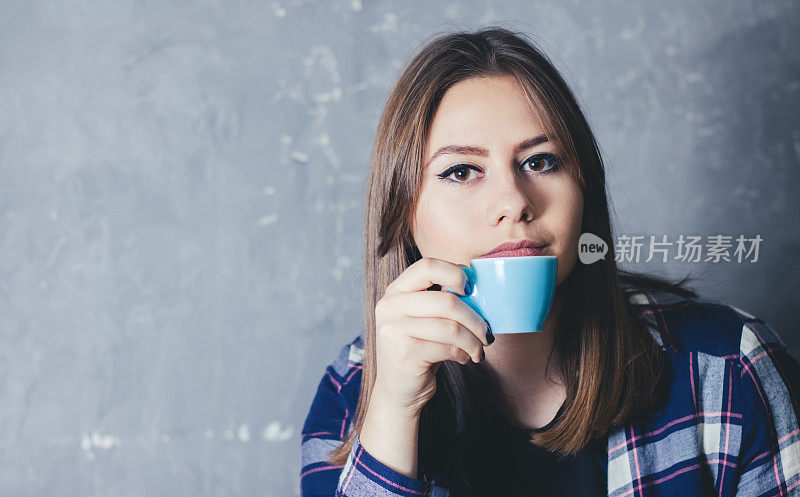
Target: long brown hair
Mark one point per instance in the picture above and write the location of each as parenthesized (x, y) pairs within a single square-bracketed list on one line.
[(611, 366)]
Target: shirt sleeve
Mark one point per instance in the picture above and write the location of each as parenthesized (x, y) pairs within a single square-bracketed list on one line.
[(769, 456), (362, 475)]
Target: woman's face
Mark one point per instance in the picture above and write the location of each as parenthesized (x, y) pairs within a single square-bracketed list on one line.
[(500, 191)]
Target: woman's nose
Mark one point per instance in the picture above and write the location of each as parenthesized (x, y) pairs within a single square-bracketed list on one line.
[(510, 200)]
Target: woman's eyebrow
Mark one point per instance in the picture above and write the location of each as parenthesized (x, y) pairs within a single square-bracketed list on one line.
[(482, 152)]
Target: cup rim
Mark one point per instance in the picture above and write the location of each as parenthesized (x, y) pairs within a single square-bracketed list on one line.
[(484, 260)]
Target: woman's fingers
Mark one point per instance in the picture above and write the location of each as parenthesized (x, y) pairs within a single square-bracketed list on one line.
[(426, 272), (440, 305), (440, 339)]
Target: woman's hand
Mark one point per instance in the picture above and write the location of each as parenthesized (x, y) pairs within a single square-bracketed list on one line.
[(417, 329)]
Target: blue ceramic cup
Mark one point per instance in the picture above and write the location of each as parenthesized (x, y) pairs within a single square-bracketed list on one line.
[(514, 294)]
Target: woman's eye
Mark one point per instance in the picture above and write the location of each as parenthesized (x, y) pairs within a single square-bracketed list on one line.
[(543, 163), (460, 172), (540, 163)]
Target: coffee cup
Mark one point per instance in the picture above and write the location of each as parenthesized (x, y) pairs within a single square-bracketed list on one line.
[(513, 294)]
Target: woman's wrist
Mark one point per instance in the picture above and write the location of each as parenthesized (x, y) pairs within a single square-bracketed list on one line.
[(390, 435)]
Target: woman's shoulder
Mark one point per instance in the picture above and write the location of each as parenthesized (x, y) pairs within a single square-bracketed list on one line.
[(701, 324), (731, 380), (351, 354), (348, 364)]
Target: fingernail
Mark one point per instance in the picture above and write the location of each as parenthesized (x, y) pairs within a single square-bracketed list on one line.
[(467, 288), (483, 355), (489, 334)]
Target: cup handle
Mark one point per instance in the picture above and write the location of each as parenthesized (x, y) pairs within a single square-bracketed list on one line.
[(470, 281)]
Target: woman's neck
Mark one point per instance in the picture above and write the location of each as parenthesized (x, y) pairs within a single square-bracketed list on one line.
[(518, 361)]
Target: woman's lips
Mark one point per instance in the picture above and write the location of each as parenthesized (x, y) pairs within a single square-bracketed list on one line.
[(516, 253)]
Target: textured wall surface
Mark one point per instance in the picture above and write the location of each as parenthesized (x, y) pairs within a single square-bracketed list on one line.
[(181, 191)]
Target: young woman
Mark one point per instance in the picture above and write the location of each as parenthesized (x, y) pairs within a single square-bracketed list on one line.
[(635, 386)]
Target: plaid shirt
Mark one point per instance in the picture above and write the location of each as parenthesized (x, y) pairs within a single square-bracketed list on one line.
[(729, 426)]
